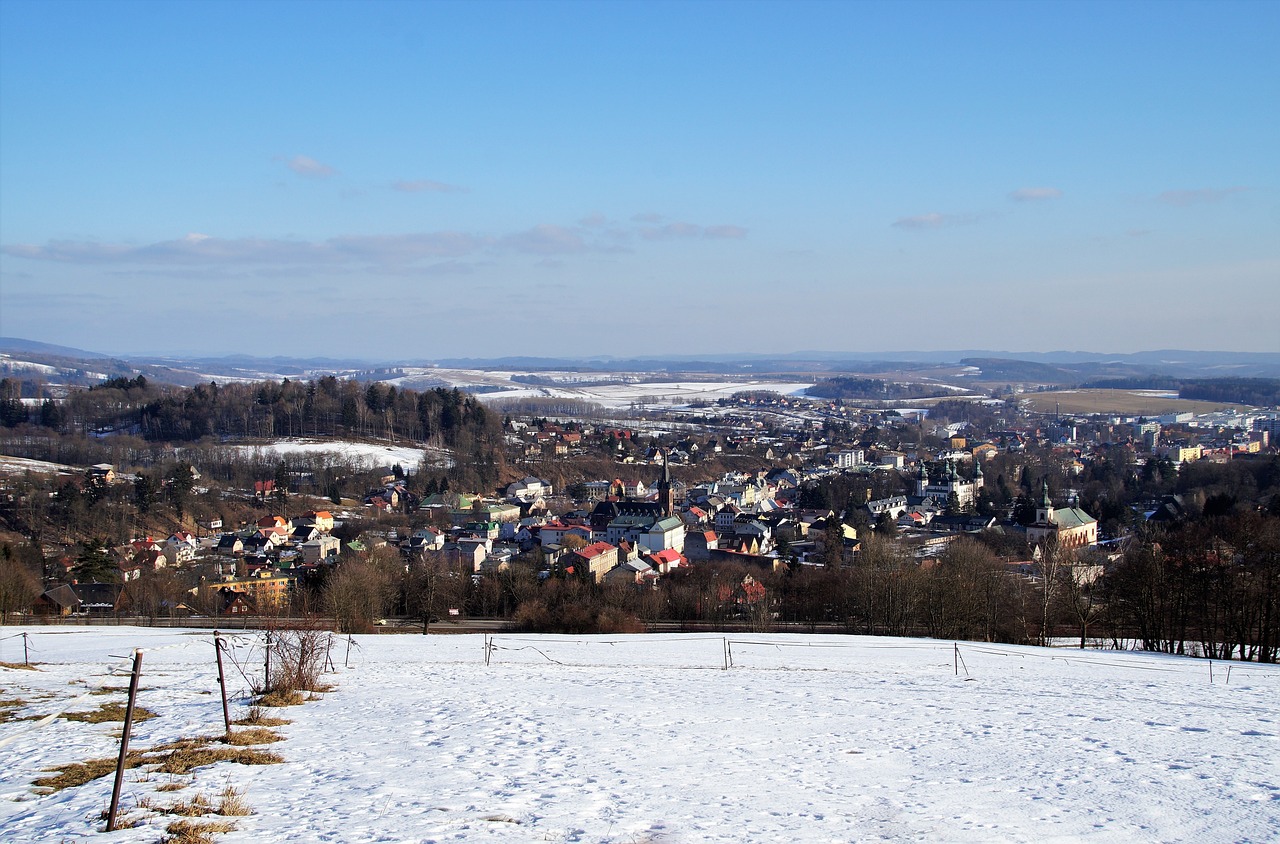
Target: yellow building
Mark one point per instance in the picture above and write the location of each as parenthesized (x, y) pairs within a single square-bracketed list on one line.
[(1067, 527), (269, 591)]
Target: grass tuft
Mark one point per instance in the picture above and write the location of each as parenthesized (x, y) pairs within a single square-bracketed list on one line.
[(231, 803), (257, 717), (21, 666), (281, 698), (188, 832), (257, 735)]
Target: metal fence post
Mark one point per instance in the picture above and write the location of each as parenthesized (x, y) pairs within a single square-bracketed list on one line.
[(124, 741)]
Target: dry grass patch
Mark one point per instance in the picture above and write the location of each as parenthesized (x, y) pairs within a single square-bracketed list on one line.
[(7, 707), (174, 758), (185, 760), (79, 773), (111, 690), (22, 666), (172, 786), (188, 832), (1134, 402), (281, 698), (257, 735), (259, 718), (197, 807), (109, 712)]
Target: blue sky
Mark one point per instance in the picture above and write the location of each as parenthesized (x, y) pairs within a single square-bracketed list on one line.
[(396, 180)]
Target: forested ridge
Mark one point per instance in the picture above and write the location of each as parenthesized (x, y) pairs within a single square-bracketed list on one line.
[(1259, 392), (327, 407)]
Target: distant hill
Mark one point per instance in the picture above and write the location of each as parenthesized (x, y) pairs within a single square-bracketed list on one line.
[(18, 346), (74, 367)]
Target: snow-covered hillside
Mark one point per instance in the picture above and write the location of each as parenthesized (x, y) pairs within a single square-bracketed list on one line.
[(651, 739), (368, 455)]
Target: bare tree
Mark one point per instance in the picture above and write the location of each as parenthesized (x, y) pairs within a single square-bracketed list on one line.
[(19, 586), (432, 585)]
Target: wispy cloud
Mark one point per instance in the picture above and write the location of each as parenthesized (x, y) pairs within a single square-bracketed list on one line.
[(1035, 194), (351, 252), (194, 248), (1197, 196), (546, 240), (426, 186), (594, 220), (649, 217), (203, 249), (677, 231), (724, 232), (406, 248), (934, 220), (306, 166)]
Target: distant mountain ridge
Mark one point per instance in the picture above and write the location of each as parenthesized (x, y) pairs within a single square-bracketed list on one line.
[(1059, 367)]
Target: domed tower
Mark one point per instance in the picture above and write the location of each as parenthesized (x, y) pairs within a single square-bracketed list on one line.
[(922, 480)]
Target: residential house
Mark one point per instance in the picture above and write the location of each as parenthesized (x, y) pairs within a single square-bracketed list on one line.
[(322, 519), (230, 544), (666, 560), (321, 548)]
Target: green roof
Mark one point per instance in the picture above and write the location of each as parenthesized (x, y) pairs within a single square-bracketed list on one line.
[(1070, 517)]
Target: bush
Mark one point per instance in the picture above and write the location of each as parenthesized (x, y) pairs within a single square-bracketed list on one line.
[(298, 658), (569, 607)]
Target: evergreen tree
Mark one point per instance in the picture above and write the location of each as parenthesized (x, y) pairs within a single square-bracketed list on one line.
[(145, 493), (282, 483), (94, 565)]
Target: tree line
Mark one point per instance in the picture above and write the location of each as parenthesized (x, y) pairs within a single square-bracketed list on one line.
[(328, 406)]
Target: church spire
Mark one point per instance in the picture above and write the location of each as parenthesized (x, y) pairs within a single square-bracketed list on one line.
[(666, 497), (1045, 514)]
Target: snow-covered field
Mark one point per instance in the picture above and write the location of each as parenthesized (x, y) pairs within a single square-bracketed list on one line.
[(369, 455), (21, 465), (650, 394), (650, 739), (674, 392)]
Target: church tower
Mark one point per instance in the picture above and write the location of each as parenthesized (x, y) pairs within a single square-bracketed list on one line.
[(1044, 513), (666, 496)]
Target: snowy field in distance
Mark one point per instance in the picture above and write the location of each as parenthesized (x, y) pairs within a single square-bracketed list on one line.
[(369, 455), (666, 392), (21, 465), (677, 392), (647, 739)]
